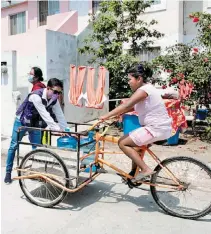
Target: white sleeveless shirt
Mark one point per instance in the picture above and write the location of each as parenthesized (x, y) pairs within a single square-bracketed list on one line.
[(152, 112)]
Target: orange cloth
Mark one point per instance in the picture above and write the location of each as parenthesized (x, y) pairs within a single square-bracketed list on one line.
[(95, 98), (76, 85)]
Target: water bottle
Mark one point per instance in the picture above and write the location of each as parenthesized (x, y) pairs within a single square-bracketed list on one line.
[(87, 149), (90, 147), (67, 141)]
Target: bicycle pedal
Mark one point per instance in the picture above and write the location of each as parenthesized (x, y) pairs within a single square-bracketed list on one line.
[(141, 181), (124, 181)]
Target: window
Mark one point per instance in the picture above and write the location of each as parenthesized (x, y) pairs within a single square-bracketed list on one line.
[(18, 23), (157, 5), (43, 12), (95, 6), (53, 7), (50, 7), (149, 55), (156, 2)]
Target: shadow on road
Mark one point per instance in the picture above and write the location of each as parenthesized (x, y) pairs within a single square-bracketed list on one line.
[(103, 192)]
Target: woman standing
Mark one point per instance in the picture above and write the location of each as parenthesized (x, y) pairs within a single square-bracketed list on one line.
[(35, 77)]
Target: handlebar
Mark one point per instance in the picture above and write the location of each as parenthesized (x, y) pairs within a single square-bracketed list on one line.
[(101, 121)]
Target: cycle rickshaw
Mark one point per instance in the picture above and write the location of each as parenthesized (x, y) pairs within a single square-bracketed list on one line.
[(181, 186)]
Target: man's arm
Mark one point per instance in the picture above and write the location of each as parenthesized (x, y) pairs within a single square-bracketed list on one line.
[(36, 100), (59, 115)]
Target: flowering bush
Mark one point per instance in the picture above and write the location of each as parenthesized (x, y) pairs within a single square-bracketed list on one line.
[(189, 66)]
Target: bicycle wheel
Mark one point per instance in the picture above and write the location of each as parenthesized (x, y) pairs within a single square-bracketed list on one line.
[(39, 191), (192, 202)]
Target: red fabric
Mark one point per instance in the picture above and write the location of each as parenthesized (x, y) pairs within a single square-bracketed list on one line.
[(185, 89), (38, 85), (176, 113)]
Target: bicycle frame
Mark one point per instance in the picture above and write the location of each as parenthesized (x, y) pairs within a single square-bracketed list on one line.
[(100, 151)]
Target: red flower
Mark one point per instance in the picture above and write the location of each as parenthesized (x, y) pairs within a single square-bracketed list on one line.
[(191, 16), (195, 19), (168, 70), (174, 80), (205, 60), (196, 50), (181, 75), (164, 87)]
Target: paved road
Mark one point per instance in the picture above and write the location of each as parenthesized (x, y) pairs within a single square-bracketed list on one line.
[(105, 206)]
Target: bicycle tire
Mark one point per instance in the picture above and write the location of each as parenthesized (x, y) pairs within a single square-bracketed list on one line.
[(161, 204), (28, 195)]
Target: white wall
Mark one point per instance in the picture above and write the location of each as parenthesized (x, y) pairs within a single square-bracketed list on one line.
[(173, 20), (190, 29), (207, 6), (169, 21), (8, 86), (31, 51), (61, 52), (82, 6)]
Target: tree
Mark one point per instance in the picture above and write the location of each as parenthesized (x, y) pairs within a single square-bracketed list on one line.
[(184, 63), (191, 62), (118, 23), (203, 21)]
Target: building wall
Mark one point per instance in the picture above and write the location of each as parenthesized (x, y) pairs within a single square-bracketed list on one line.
[(8, 88), (207, 6), (169, 11), (58, 65), (190, 29), (68, 25), (31, 45), (31, 51), (5, 13), (168, 17), (173, 20), (81, 6), (64, 6), (32, 15)]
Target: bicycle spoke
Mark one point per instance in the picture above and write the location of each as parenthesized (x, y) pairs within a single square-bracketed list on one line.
[(39, 190), (194, 198)]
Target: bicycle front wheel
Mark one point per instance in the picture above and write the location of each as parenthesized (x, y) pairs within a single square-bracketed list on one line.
[(39, 191), (194, 201)]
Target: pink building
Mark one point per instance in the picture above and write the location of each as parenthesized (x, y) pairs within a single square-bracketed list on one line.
[(45, 34), (26, 26)]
